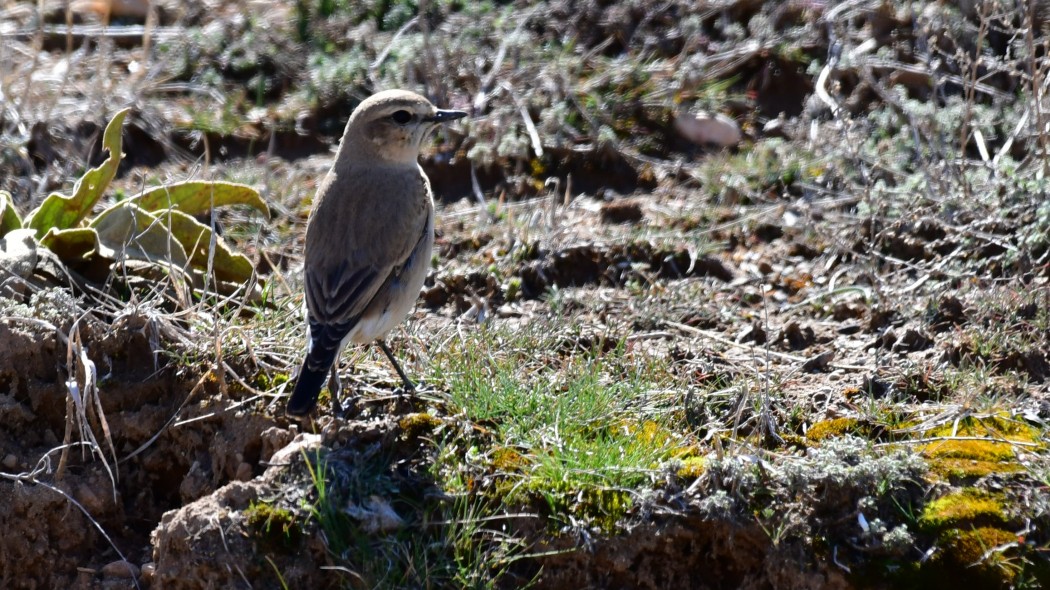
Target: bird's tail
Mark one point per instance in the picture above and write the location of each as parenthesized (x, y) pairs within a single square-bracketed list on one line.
[(325, 344), (307, 387)]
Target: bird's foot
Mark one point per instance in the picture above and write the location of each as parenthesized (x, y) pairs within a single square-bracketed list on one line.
[(407, 389), (337, 408)]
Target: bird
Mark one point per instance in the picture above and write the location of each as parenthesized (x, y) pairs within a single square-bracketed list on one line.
[(369, 238)]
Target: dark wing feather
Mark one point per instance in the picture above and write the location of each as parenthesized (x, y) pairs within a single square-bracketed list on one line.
[(334, 303)]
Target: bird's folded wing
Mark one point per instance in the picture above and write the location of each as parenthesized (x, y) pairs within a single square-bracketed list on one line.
[(337, 294), (342, 293)]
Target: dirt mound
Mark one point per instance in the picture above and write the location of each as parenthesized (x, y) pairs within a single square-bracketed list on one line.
[(143, 462), (210, 543), (687, 552)]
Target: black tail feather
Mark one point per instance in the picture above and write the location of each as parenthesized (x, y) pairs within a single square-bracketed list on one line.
[(324, 348), (307, 388)]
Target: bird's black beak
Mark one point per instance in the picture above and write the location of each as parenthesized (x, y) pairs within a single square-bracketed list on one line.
[(443, 116)]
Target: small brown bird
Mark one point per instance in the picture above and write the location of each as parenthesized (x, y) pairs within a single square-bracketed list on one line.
[(369, 238)]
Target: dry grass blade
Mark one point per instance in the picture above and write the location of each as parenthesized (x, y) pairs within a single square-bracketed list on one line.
[(82, 387)]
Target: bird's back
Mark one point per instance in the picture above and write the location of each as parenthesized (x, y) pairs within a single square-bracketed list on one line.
[(367, 216)]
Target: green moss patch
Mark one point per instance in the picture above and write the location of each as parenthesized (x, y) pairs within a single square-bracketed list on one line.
[(835, 427), (962, 459), (266, 382), (275, 528), (994, 427), (604, 508), (967, 548), (418, 423), (691, 468), (985, 554), (508, 460), (956, 458), (968, 507)]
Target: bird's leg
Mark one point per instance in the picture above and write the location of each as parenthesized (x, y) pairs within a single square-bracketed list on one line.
[(409, 386), (334, 387)]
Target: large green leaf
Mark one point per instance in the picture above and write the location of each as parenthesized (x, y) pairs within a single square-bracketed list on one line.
[(168, 236), (8, 216), (128, 231), (61, 212), (196, 197), (71, 244), (195, 238)]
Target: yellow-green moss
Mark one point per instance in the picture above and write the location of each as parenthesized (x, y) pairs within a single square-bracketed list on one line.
[(692, 467), (267, 382), (418, 423), (975, 557), (602, 507), (978, 450), (994, 427), (273, 527), (968, 547), (960, 459), (972, 549), (967, 507), (508, 460), (649, 433), (957, 459), (794, 441), (957, 469), (832, 428)]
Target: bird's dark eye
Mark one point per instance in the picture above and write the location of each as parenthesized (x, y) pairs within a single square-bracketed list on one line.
[(401, 117)]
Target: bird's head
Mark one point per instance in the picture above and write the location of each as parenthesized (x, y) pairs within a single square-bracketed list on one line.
[(392, 124)]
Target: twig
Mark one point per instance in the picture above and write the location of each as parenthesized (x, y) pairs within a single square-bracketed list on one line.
[(537, 145), (779, 355), (482, 98), (389, 47), (933, 439)]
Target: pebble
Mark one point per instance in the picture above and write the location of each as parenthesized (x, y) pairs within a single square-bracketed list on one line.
[(708, 129), (149, 569), (120, 570)]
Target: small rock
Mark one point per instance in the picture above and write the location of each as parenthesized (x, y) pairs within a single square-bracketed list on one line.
[(797, 337), (18, 257), (302, 442), (90, 500), (273, 439), (913, 340), (753, 333), (244, 472), (819, 363), (708, 129), (623, 211), (10, 461), (120, 570), (375, 515), (849, 328), (776, 128), (149, 569)]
